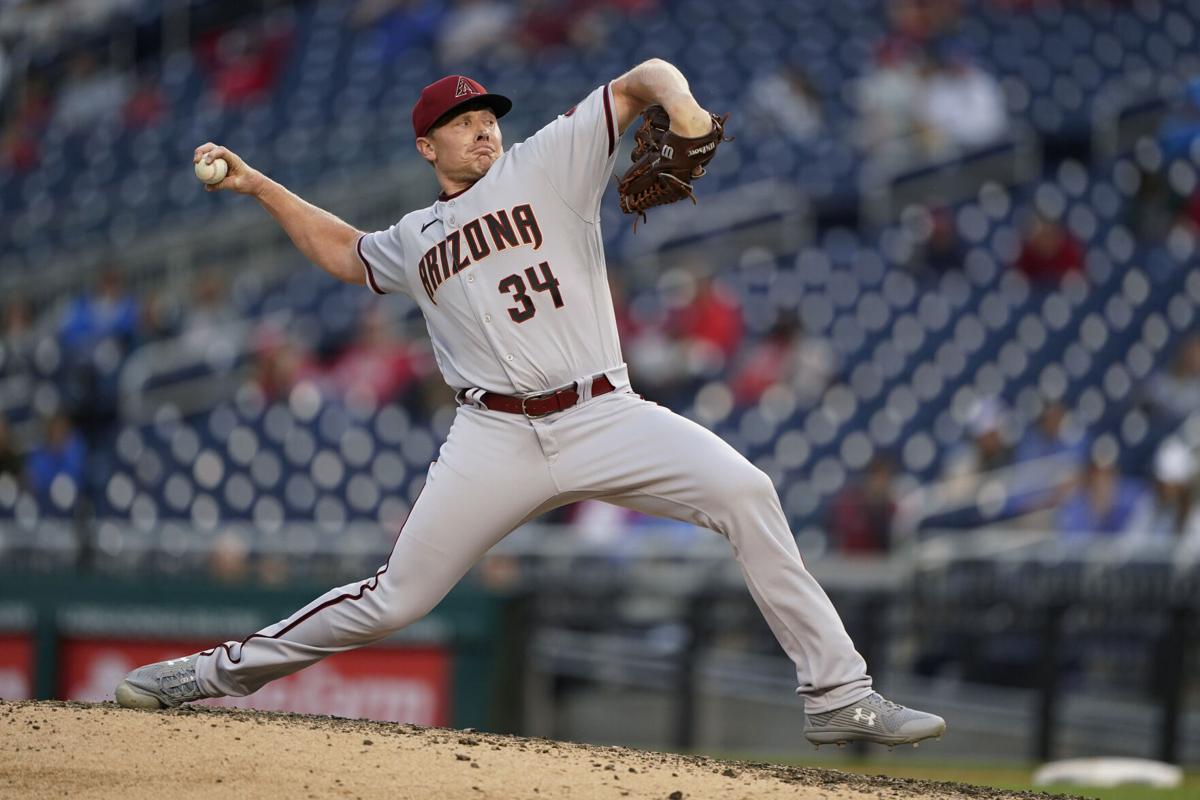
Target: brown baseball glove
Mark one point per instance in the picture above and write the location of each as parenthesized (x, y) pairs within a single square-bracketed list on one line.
[(664, 163)]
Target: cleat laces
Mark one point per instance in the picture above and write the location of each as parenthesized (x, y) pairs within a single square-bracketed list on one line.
[(179, 684)]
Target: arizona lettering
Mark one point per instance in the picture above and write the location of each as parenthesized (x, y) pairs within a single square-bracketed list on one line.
[(492, 233)]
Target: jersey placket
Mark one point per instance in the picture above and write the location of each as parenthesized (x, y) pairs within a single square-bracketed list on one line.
[(475, 286)]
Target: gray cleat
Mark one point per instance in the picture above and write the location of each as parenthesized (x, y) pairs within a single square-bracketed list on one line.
[(873, 719), (165, 684)]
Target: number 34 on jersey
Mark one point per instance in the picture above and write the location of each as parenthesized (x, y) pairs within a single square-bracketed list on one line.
[(516, 286)]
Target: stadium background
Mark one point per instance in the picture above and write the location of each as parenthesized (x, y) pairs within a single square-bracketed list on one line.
[(941, 288)]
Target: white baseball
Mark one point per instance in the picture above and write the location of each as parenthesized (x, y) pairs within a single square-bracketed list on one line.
[(212, 173)]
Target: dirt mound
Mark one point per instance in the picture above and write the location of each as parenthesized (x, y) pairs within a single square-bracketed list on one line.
[(56, 749)]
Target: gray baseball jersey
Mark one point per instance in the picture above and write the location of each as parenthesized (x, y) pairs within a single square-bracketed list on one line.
[(510, 273), (510, 277)]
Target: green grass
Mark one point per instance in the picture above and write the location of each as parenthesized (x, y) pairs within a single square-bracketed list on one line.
[(1009, 777)]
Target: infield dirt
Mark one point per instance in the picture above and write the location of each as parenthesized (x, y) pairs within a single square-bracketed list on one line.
[(56, 749)]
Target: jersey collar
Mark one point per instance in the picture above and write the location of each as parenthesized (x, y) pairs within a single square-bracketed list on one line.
[(444, 197)]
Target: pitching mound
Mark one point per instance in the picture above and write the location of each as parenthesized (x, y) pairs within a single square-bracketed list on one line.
[(56, 749)]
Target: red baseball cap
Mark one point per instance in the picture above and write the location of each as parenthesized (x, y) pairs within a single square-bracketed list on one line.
[(442, 96)]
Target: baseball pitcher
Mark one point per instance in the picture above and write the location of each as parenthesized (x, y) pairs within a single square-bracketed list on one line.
[(507, 266)]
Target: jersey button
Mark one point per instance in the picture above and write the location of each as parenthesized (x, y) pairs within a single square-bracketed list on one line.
[(470, 279), (487, 317), (508, 357)]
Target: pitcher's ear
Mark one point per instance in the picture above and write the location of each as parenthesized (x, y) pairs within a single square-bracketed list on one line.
[(426, 149)]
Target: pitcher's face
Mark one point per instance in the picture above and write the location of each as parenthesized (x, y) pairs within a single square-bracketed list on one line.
[(464, 147)]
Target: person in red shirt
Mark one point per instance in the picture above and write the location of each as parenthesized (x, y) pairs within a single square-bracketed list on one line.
[(18, 150), (377, 366), (1049, 252), (280, 363), (787, 356), (243, 63), (860, 516), (712, 319), (146, 106)]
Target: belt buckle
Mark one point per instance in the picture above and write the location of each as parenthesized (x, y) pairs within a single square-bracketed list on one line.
[(535, 416)]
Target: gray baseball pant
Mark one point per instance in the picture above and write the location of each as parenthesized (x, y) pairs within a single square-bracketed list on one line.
[(496, 471)]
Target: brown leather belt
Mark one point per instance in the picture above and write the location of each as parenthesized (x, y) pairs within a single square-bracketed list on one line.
[(538, 405)]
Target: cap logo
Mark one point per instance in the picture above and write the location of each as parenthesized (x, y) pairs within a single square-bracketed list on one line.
[(463, 88)]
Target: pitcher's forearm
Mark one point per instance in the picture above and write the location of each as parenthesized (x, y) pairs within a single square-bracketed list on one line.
[(659, 81), (323, 238)]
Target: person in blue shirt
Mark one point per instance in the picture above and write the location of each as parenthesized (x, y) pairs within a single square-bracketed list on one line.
[(107, 312), (1052, 434), (1181, 126), (61, 453), (1103, 503), (97, 332)]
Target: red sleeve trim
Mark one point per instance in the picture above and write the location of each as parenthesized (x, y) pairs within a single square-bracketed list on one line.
[(608, 119), (370, 272)]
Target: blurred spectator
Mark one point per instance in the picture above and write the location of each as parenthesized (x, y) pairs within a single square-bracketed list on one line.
[(271, 569), (1168, 513), (147, 105), (243, 63), (97, 332), (963, 106), (1181, 126), (787, 355), (684, 333), (16, 341), (90, 94), (472, 27), (711, 323), (939, 248), (860, 516), (43, 23), (1048, 252), (229, 558), (598, 524), (429, 395), (989, 447), (19, 133), (1053, 433), (376, 367), (1174, 394), (786, 103), (208, 326), (545, 25), (34, 103), (921, 22), (17, 346), (62, 454), (401, 25), (19, 152), (109, 312), (160, 316), (1154, 208), (621, 532), (1102, 504), (1191, 211), (11, 462), (589, 28), (280, 363), (18, 319), (890, 128), (658, 364)]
